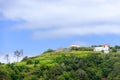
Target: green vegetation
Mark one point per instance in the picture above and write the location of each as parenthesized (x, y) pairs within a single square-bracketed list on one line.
[(81, 48), (115, 48), (49, 51), (72, 65)]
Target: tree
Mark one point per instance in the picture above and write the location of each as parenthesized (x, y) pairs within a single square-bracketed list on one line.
[(7, 58), (29, 62), (115, 73), (49, 51), (117, 46), (4, 74), (61, 77), (18, 54), (74, 48), (81, 74), (114, 49)]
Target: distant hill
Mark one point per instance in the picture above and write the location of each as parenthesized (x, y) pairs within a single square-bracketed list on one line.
[(64, 65)]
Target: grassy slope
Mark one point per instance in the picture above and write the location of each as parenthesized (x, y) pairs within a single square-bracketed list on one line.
[(49, 58)]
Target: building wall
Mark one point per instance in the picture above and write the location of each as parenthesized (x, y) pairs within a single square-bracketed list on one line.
[(104, 48), (98, 48)]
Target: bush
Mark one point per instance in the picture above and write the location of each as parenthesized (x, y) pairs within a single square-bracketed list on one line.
[(34, 78), (29, 61), (37, 61), (114, 49)]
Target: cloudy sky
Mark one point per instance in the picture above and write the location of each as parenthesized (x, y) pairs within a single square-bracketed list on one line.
[(36, 25)]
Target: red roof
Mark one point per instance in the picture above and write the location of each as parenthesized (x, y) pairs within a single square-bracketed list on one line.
[(106, 45)]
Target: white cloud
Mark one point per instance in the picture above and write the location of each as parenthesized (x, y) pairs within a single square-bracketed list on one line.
[(72, 31), (79, 43), (64, 17)]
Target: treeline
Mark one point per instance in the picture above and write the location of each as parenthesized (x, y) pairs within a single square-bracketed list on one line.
[(70, 49), (81, 48), (115, 48), (95, 66)]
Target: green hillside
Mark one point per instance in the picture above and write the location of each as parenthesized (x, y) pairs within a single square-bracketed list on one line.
[(66, 65)]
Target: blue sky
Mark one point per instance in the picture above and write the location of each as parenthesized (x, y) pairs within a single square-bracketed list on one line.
[(36, 25)]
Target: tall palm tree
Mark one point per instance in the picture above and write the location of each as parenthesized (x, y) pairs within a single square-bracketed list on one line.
[(7, 58), (18, 54)]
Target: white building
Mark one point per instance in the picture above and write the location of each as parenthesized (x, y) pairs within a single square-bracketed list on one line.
[(104, 48), (74, 46)]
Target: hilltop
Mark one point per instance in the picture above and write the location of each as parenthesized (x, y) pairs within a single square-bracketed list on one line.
[(64, 65)]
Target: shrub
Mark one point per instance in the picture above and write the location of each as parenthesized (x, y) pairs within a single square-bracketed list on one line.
[(29, 61)]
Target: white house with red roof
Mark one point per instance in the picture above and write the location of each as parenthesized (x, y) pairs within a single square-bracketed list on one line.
[(104, 48)]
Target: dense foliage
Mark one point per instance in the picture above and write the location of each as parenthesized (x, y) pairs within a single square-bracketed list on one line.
[(75, 65)]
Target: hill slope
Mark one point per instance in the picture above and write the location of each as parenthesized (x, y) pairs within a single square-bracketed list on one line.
[(75, 65)]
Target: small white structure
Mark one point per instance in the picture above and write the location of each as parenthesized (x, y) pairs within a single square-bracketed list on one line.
[(104, 48), (74, 46)]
